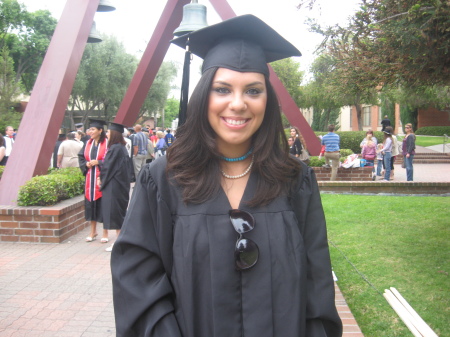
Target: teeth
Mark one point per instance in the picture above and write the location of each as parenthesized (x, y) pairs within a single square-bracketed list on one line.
[(235, 122)]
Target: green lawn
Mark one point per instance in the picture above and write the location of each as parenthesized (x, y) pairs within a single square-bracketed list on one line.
[(378, 242), (427, 140)]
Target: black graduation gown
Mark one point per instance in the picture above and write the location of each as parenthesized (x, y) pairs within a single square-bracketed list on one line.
[(115, 179), (174, 273), (92, 209)]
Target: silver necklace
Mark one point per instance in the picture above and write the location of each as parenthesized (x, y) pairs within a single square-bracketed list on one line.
[(240, 175)]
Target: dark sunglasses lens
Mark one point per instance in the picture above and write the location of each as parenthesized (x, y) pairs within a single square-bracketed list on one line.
[(243, 222), (246, 253)]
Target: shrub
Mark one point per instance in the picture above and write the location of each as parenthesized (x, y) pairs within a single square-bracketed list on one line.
[(352, 139), (433, 131), (49, 189), (2, 168)]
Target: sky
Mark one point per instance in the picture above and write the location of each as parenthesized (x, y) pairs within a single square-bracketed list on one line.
[(133, 22)]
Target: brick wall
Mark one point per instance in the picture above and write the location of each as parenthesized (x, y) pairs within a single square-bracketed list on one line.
[(432, 117), (52, 224), (345, 174)]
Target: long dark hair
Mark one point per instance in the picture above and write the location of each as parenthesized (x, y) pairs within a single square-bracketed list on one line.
[(194, 160), (115, 137)]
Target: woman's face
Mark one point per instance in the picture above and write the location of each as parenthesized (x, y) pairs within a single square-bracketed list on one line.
[(108, 134), (293, 133), (95, 133), (237, 103)]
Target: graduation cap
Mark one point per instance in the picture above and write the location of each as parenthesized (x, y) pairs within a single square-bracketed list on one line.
[(95, 123), (78, 125), (244, 43), (116, 127)]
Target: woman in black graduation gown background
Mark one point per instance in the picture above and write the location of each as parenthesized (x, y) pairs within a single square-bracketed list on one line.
[(225, 236), (90, 158), (115, 177)]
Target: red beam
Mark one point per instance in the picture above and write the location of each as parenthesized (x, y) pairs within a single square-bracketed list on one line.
[(44, 114), (288, 105), (150, 63)]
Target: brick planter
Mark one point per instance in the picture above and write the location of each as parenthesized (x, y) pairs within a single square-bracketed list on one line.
[(345, 174), (51, 224)]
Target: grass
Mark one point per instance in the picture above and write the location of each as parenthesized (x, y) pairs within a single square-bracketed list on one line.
[(378, 242), (426, 140)]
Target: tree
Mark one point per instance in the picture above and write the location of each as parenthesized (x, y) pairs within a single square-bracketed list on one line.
[(9, 90), (27, 35), (288, 71), (403, 42), (319, 95), (156, 98), (102, 80), (171, 109)]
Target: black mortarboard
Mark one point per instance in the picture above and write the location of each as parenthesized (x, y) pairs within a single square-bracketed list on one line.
[(95, 123), (244, 43), (78, 125), (116, 127)]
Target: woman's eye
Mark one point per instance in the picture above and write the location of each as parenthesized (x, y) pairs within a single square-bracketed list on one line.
[(253, 91), (221, 90)]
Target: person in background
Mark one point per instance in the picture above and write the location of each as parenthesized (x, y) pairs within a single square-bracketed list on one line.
[(9, 142), (2, 150), (386, 150), (374, 139), (90, 158), (61, 139), (169, 138), (408, 151), (114, 180), (385, 123), (140, 141), (394, 152), (379, 159), (332, 142), (226, 235), (291, 145), (161, 145), (68, 152), (297, 147)]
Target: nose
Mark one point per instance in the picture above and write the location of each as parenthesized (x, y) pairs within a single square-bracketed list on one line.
[(237, 103)]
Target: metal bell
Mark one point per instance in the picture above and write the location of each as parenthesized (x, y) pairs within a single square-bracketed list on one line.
[(194, 18), (105, 6), (94, 36)]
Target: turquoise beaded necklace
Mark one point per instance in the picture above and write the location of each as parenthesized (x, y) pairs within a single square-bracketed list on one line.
[(245, 156)]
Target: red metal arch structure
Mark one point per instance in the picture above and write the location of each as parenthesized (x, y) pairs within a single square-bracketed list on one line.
[(45, 111)]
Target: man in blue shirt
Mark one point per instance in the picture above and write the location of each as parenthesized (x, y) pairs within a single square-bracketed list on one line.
[(332, 142)]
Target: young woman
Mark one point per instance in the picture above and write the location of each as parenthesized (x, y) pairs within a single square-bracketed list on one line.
[(369, 151), (408, 151), (115, 178), (90, 158), (386, 150), (226, 236)]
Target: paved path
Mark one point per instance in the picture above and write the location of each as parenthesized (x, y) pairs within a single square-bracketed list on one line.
[(64, 290)]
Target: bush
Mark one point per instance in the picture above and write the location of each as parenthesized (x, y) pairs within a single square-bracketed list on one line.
[(433, 131), (50, 189), (2, 168), (352, 139), (316, 162)]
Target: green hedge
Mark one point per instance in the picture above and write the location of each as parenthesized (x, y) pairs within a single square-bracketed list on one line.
[(2, 168), (49, 189), (433, 131)]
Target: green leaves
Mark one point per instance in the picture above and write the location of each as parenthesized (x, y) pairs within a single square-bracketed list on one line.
[(49, 189)]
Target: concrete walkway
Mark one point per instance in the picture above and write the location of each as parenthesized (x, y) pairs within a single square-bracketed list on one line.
[(59, 290)]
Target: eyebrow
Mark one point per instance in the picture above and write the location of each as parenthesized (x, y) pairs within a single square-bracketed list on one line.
[(229, 85)]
